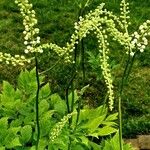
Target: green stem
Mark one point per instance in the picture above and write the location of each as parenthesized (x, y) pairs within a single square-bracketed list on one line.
[(72, 90), (120, 124), (37, 103), (126, 73)]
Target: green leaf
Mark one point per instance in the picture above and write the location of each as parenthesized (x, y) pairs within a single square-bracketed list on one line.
[(94, 146), (11, 138), (46, 123), (45, 91), (93, 124), (3, 123), (15, 142), (43, 106), (2, 148), (8, 89), (84, 140), (26, 133), (58, 104), (112, 117), (27, 82), (76, 97), (103, 131), (43, 143)]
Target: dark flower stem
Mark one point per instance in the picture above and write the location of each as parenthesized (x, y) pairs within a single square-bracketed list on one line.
[(37, 103)]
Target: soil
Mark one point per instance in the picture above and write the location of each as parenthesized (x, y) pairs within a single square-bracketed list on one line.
[(142, 142)]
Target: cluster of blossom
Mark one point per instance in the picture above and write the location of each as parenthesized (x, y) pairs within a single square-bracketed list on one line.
[(104, 50), (139, 39), (16, 60), (59, 126), (29, 22), (82, 28), (124, 8)]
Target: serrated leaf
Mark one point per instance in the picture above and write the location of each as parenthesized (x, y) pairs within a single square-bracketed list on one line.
[(26, 133)]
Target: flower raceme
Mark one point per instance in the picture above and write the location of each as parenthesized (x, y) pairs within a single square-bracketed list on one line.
[(101, 22)]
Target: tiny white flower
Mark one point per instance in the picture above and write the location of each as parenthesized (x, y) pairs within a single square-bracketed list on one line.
[(141, 50), (26, 51), (25, 42), (132, 53)]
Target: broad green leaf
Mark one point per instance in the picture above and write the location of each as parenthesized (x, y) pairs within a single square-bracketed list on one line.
[(2, 148), (8, 89), (99, 111), (55, 98), (84, 140), (43, 106), (103, 131), (27, 82), (3, 123), (15, 142), (16, 122), (109, 123), (45, 91), (94, 146), (26, 133), (10, 138), (58, 104), (93, 124), (112, 117), (43, 143), (46, 123)]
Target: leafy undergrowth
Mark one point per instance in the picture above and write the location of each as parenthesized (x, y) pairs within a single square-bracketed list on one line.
[(57, 131)]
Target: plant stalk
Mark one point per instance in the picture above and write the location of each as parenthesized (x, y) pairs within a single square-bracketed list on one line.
[(37, 102)]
